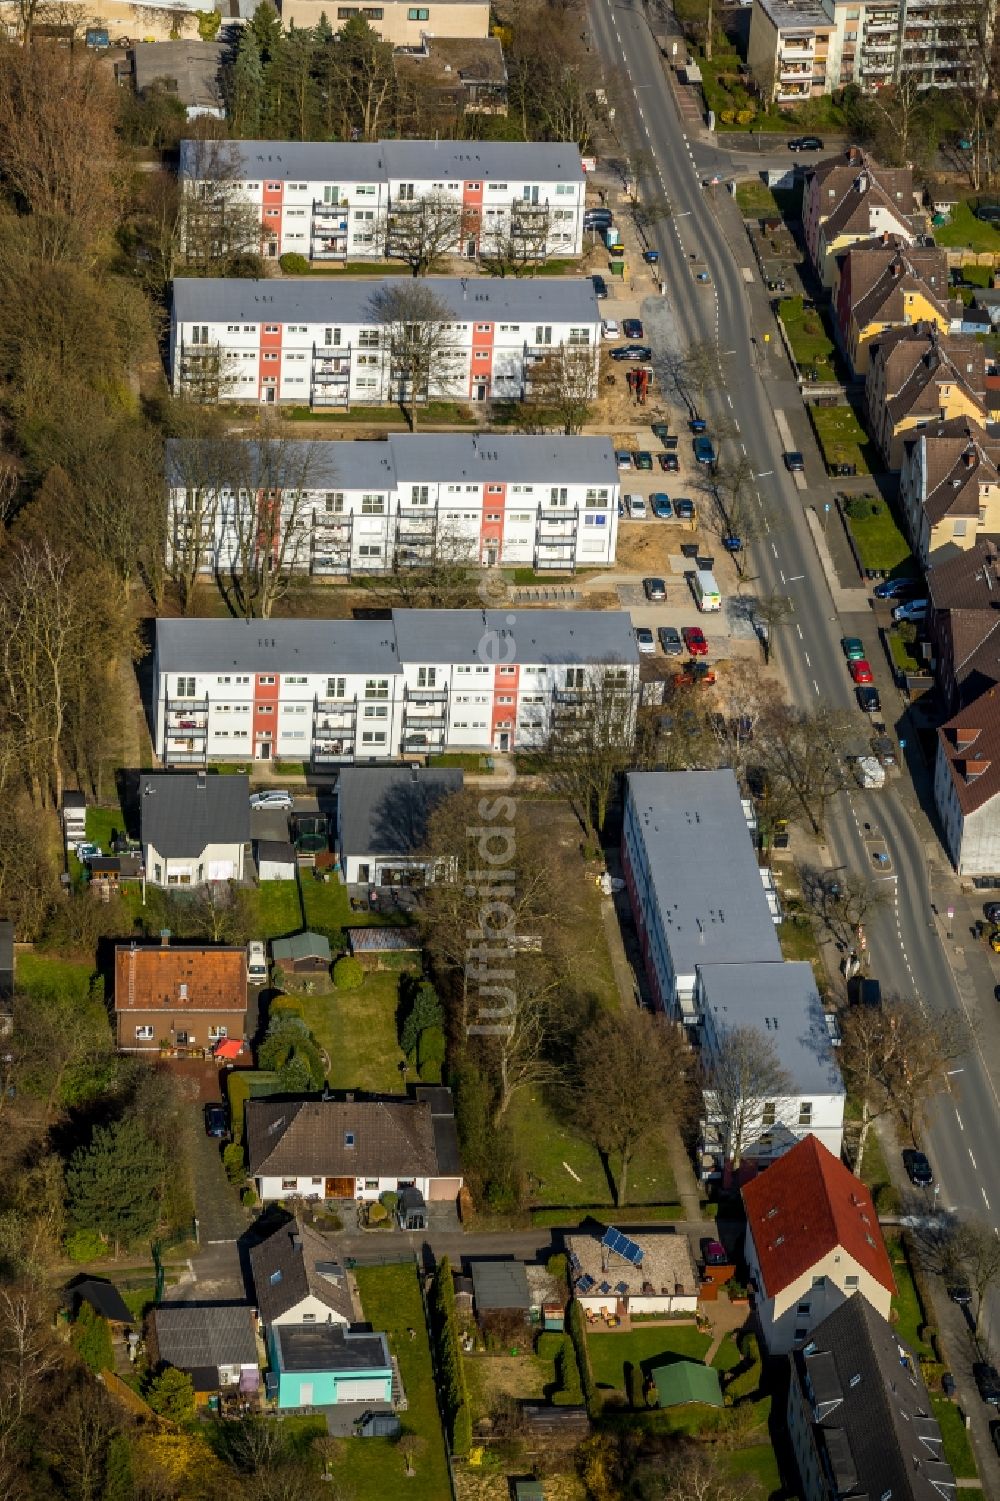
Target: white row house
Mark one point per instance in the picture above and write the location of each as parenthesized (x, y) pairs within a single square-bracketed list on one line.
[(334, 201), (334, 692), (323, 344), (345, 508)]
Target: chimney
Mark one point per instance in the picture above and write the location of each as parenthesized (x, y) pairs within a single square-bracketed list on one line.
[(165, 938), (974, 769), (861, 183), (969, 458), (853, 155), (897, 270)]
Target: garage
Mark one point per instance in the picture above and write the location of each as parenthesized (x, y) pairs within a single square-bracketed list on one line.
[(339, 1188)]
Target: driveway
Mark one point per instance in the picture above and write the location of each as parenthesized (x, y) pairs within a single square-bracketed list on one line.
[(216, 1271)]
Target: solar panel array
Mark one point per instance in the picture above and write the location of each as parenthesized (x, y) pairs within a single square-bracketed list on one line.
[(622, 1246), (585, 1284)]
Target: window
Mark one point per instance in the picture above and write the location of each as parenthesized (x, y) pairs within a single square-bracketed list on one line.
[(769, 1114), (373, 737), (331, 337), (426, 677), (272, 328), (266, 680), (215, 1033), (376, 688), (371, 1183), (336, 687), (275, 1276), (417, 13), (803, 1310), (374, 12), (144, 1033), (579, 336), (819, 1283), (805, 1113), (543, 333), (288, 1185), (575, 677), (373, 505), (801, 1334), (199, 333), (185, 688), (333, 502), (851, 1281)]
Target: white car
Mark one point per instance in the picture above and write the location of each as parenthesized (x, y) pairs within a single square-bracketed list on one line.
[(256, 962), (912, 609), (644, 639), (610, 329), (271, 799), (636, 507)]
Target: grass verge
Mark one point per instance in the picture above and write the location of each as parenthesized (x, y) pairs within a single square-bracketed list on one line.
[(812, 346), (842, 439), (881, 545)]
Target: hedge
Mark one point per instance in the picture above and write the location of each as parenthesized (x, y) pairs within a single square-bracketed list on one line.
[(577, 1327), (448, 1351), (293, 264), (569, 1390)]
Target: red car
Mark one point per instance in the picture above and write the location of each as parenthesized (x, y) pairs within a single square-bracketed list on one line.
[(861, 671), (694, 640)]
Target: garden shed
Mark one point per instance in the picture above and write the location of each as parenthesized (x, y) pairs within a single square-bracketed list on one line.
[(302, 954)]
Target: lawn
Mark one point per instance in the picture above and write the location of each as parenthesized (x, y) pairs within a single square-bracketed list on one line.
[(842, 438), (549, 1147), (907, 1308), (811, 344), (523, 1377), (391, 1301), (285, 907), (756, 200), (102, 823), (610, 1353), (874, 1168), (279, 909), (756, 1462), (463, 760), (965, 231), (41, 975), (357, 1030), (798, 940), (957, 1449), (881, 545), (902, 653), (446, 412)]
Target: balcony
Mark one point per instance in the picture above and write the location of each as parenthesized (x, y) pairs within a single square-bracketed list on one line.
[(173, 757), (333, 751), (323, 210), (426, 695)]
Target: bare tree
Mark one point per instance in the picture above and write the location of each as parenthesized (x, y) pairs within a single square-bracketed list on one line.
[(640, 1060), (421, 231), (430, 567), (213, 222), (198, 464), (746, 1088), (591, 743), (423, 353), (692, 1472), (562, 387), (894, 1058), (975, 1250), (270, 520), (767, 612), (697, 372), (803, 753), (515, 243), (843, 901)]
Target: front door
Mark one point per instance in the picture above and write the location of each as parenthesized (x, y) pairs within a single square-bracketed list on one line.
[(264, 751), (480, 391), (470, 249), (490, 554), (503, 740), (269, 395), (339, 1188)]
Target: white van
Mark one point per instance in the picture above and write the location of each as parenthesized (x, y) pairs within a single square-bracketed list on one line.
[(706, 591), (636, 507), (256, 962)]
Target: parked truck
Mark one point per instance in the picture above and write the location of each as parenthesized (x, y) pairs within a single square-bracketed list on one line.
[(869, 771)]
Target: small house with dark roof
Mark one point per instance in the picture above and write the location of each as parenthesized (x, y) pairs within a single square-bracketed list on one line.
[(276, 860), (179, 995), (967, 786), (214, 1343), (500, 1287), (193, 827), (298, 1280), (383, 815), (302, 954), (353, 1146), (104, 1298), (859, 1415), (812, 1240)]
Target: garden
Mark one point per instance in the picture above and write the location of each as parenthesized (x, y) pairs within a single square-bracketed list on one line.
[(842, 439), (812, 347), (964, 231), (879, 543)]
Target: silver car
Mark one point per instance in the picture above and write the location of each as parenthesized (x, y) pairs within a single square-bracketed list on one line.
[(272, 799)]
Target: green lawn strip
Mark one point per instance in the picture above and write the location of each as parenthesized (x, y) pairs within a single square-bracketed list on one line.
[(874, 1168), (842, 438), (279, 910), (41, 975), (901, 653), (907, 1308), (102, 824), (727, 1357), (440, 412), (463, 760), (755, 1462), (610, 1353), (390, 1299), (327, 905), (357, 1030), (957, 1449), (881, 545), (964, 231), (756, 200), (807, 334), (546, 1141)]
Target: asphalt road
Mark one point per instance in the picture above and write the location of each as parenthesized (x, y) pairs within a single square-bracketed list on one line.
[(905, 941)]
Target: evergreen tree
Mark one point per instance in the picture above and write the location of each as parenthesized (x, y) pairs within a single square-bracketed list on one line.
[(425, 1011), (171, 1394), (119, 1484), (113, 1184), (91, 1339), (266, 27), (246, 86)]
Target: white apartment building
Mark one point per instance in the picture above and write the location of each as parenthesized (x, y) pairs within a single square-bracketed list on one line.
[(322, 344), (335, 692), (333, 201), (365, 507)]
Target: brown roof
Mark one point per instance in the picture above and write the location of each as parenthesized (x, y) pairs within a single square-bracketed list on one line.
[(970, 743), (860, 190), (341, 1138), (293, 1263), (840, 172), (450, 62), (916, 360), (880, 278), (804, 1206), (173, 978), (956, 469), (968, 581)]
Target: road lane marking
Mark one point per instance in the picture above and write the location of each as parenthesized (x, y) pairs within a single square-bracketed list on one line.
[(774, 550), (961, 1125), (799, 629), (972, 1159), (816, 686), (796, 578), (806, 655), (985, 1199)]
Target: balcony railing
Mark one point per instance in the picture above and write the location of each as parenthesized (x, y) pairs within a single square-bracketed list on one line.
[(427, 695), (184, 757)]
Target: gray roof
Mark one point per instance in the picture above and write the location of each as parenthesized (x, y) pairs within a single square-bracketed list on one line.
[(320, 300), (196, 1336), (517, 636), (871, 1411), (443, 161), (292, 1264), (782, 1002), (341, 1138), (380, 465), (329, 1347), (499, 1284), (356, 646), (278, 851), (794, 15), (301, 946), (385, 810), (702, 868), (193, 67), (299, 646), (182, 812)]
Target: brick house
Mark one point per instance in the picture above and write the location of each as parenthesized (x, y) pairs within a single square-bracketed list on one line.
[(184, 996)]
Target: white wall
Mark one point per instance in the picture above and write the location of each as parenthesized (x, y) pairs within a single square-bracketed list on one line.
[(270, 1188), (217, 862), (311, 1308)]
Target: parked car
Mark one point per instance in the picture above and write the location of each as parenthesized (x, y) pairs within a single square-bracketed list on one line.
[(794, 462), (852, 647), (714, 1253), (632, 328), (961, 1295), (256, 962), (87, 851), (623, 458), (732, 543), (949, 1388), (644, 639), (272, 799), (703, 277), (636, 507), (991, 912), (698, 425), (661, 506), (912, 609), (860, 670), (694, 640), (643, 459), (897, 588), (660, 431), (215, 1122), (869, 700), (609, 328), (656, 589), (632, 352), (684, 509), (600, 287), (668, 462), (805, 143), (988, 1381), (918, 1168), (670, 640), (704, 450)]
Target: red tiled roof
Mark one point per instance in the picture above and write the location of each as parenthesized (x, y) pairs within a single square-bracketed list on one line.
[(173, 978), (804, 1206)]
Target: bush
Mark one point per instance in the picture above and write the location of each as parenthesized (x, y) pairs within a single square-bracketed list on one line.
[(377, 1214), (348, 974), (887, 1199), (419, 1008), (248, 1198), (578, 1334), (558, 1269), (744, 116), (85, 1245), (293, 264), (91, 1339), (569, 1391), (171, 1394), (389, 1201), (209, 22), (284, 1005), (234, 1163)]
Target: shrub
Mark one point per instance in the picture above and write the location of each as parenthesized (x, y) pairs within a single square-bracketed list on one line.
[(248, 1198), (91, 1339), (171, 1394), (558, 1269), (727, 116), (234, 1163), (293, 264), (85, 1245), (578, 1334), (389, 1200), (284, 1005), (887, 1199), (744, 116), (377, 1214), (348, 974), (419, 1008), (569, 1391), (209, 22)]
